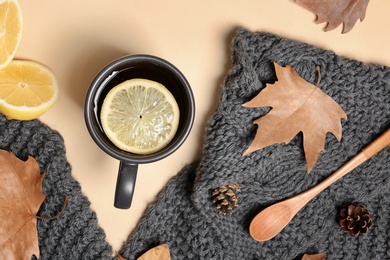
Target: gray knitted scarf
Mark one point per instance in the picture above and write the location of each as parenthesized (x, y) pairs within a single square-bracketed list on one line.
[(183, 215)]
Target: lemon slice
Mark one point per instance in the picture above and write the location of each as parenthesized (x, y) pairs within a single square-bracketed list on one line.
[(27, 90), (140, 116), (10, 30)]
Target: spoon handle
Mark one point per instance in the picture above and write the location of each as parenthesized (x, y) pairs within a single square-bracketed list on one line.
[(378, 144), (369, 151)]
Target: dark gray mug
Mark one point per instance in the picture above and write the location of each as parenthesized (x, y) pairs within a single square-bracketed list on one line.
[(118, 71)]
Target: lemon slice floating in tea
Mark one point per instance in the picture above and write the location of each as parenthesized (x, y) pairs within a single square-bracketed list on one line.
[(140, 116), (10, 30), (27, 90)]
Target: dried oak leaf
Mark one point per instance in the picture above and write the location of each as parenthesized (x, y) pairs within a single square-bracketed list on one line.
[(297, 106), (160, 252), (321, 256), (20, 198), (336, 12)]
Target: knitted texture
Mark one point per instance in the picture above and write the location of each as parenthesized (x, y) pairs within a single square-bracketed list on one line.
[(184, 217), (75, 234)]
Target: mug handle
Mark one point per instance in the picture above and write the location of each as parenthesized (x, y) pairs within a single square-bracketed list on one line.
[(127, 175)]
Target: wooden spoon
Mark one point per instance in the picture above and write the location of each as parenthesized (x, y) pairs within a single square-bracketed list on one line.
[(269, 222)]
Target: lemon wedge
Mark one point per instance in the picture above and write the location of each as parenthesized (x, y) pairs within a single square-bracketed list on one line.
[(10, 30), (27, 90), (140, 116)]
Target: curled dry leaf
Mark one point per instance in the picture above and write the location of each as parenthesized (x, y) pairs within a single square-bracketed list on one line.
[(160, 252), (121, 258), (321, 256), (336, 12), (297, 106), (20, 199)]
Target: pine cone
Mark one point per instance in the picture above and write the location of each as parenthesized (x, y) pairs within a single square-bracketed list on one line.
[(355, 219), (225, 199)]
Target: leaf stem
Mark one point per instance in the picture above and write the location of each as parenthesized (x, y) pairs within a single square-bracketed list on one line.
[(319, 75)]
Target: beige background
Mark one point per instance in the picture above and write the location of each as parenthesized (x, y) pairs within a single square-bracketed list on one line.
[(76, 38)]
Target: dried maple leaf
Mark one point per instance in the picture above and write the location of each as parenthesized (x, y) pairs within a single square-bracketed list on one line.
[(336, 12), (321, 256), (20, 198), (297, 106)]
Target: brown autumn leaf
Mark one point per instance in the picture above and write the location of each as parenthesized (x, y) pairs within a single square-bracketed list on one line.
[(20, 198), (121, 258), (160, 252), (320, 256), (297, 106), (336, 12)]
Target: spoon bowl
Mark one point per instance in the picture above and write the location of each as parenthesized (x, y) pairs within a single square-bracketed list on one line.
[(271, 222)]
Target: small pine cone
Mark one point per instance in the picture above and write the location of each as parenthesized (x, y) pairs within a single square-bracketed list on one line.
[(355, 219), (225, 199)]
